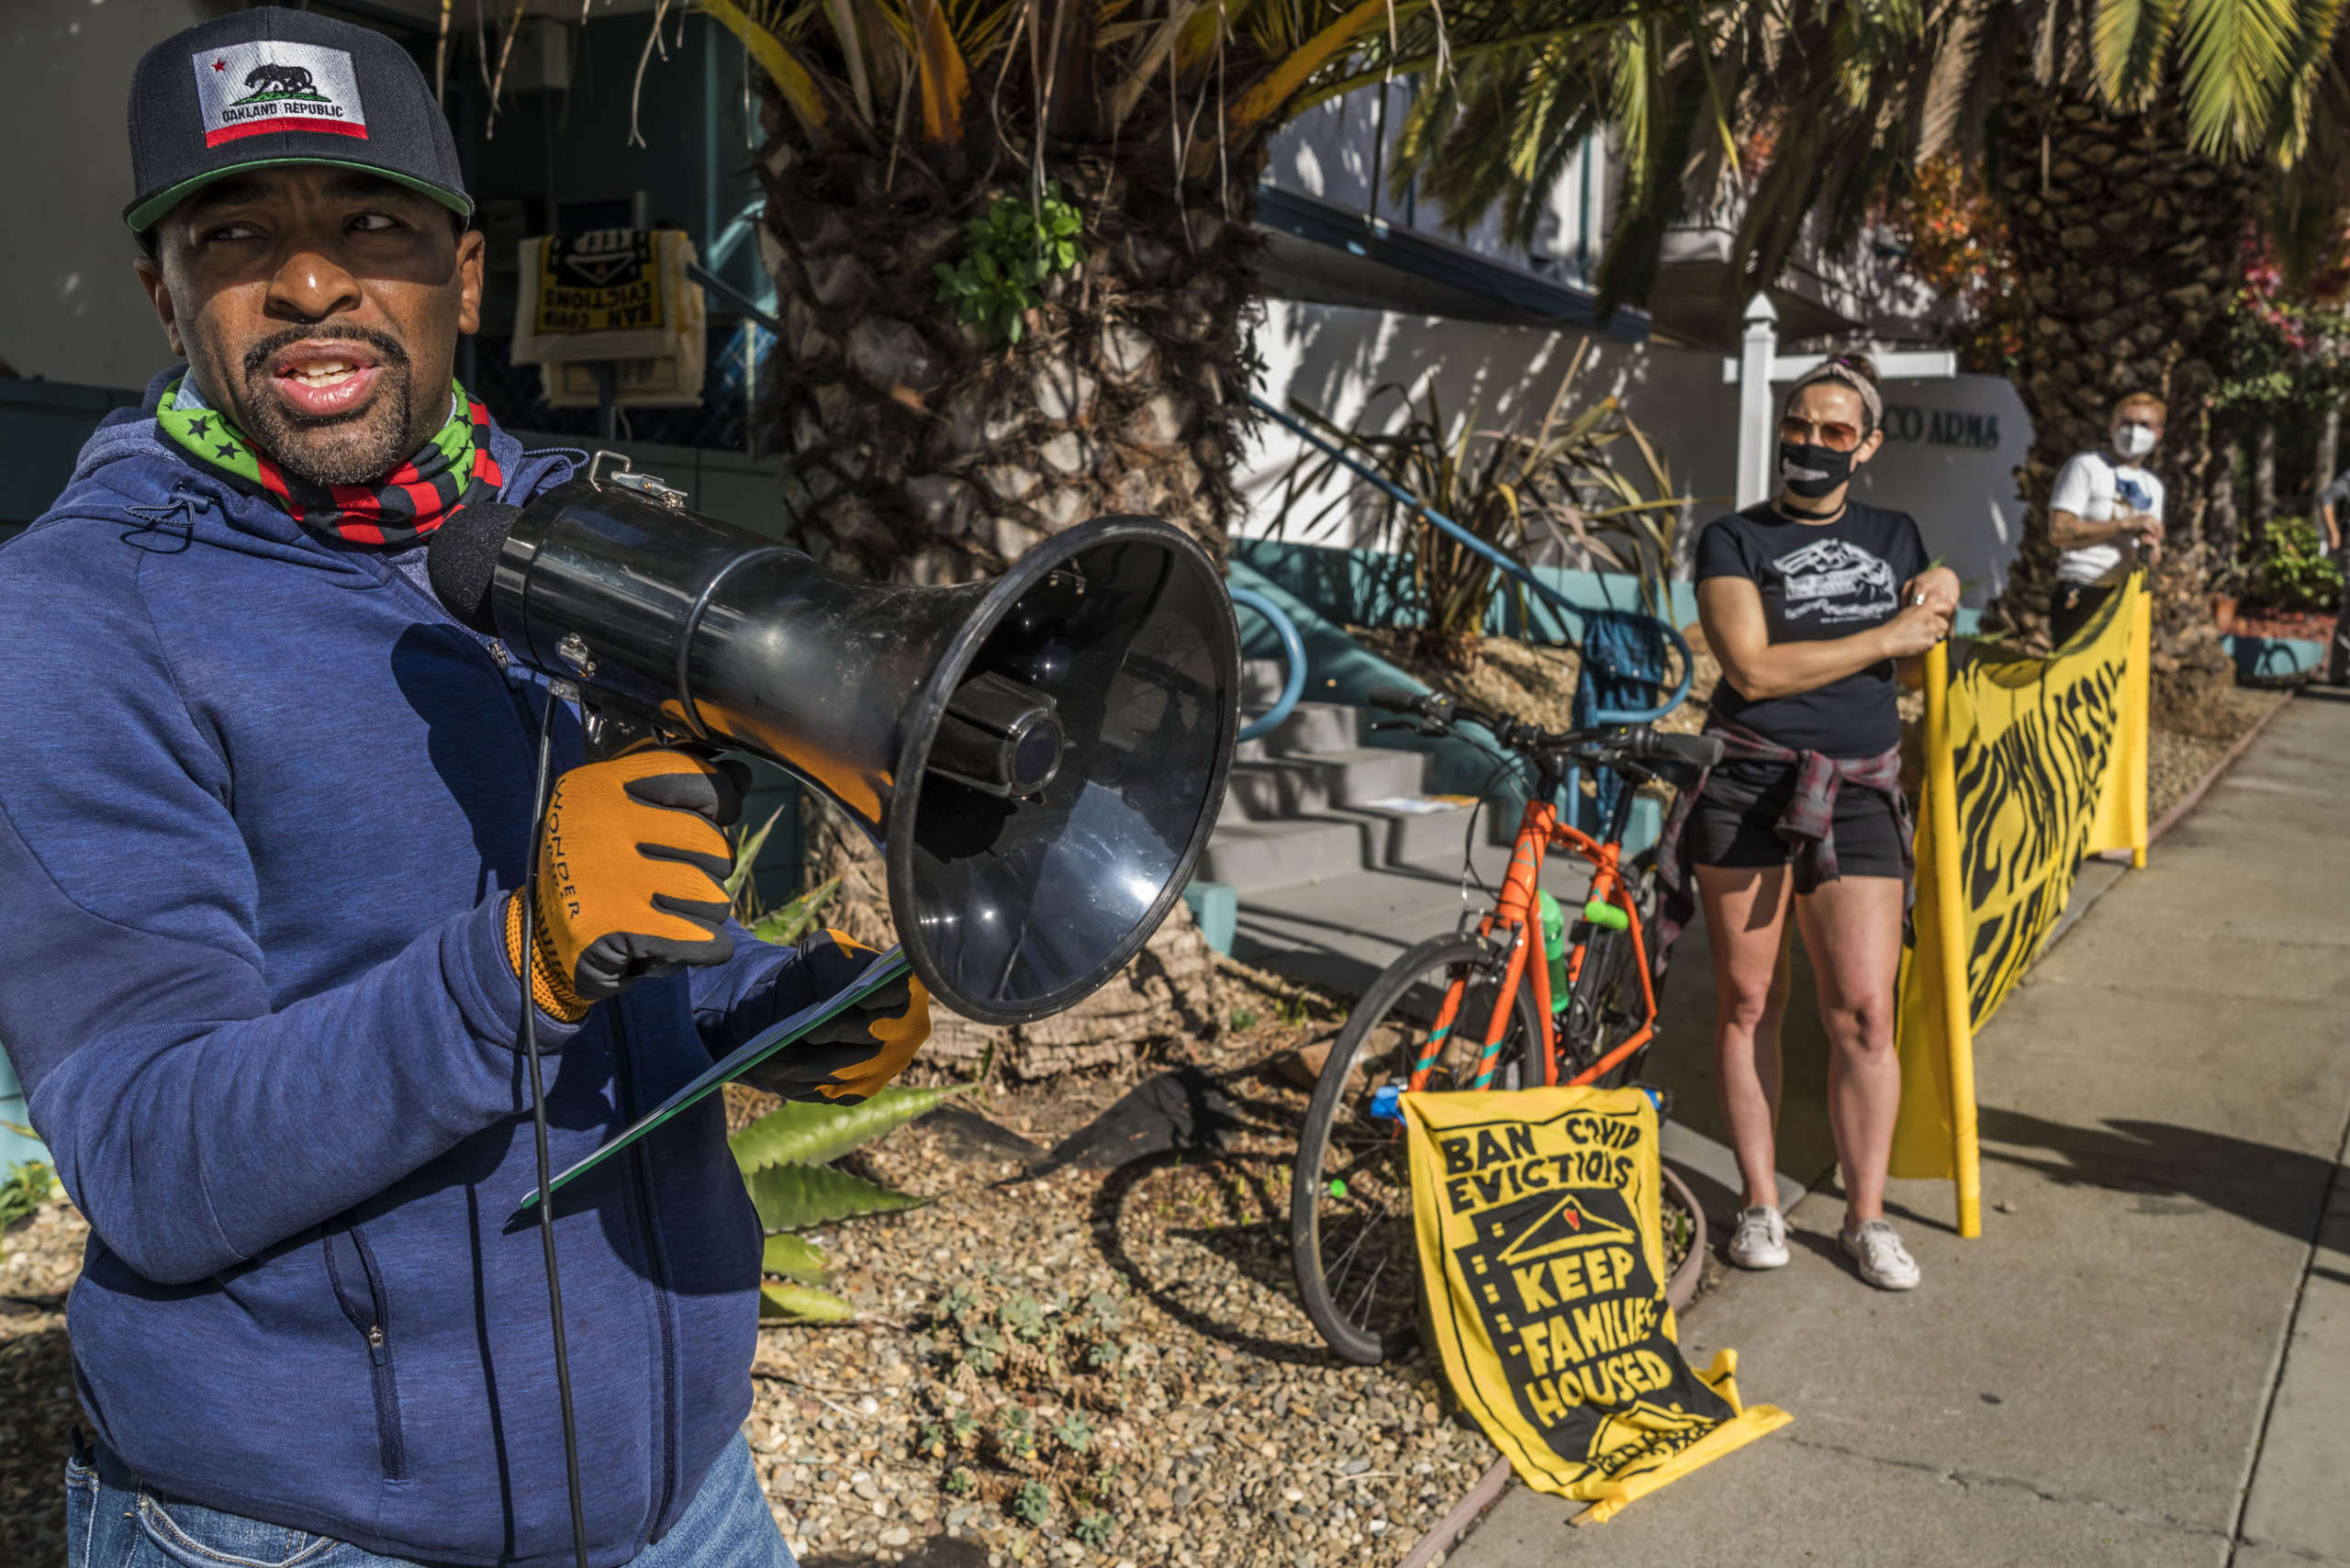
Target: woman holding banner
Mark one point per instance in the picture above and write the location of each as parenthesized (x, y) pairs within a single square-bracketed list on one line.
[(1812, 601)]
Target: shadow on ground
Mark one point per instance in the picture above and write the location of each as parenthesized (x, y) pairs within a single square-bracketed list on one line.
[(2170, 1167)]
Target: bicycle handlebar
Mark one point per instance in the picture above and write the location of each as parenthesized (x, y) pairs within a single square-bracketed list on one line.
[(1696, 751)]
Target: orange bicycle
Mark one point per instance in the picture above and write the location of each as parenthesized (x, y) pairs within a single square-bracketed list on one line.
[(1508, 1005)]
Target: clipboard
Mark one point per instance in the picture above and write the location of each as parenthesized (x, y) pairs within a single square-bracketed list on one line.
[(885, 968)]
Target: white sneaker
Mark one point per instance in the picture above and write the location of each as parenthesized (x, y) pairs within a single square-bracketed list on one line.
[(1883, 1262), (1760, 1240)]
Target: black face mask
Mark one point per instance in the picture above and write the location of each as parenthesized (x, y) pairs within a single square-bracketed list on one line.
[(1811, 470)]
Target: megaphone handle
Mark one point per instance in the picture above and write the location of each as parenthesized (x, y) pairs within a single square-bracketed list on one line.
[(611, 731)]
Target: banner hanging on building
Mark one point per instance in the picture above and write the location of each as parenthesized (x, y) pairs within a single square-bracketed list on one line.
[(2031, 763), (1541, 1257)]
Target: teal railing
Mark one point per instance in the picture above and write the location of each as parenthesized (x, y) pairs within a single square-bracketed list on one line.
[(1293, 655)]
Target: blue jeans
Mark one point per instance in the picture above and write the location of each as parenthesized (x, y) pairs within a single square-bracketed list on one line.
[(111, 1522)]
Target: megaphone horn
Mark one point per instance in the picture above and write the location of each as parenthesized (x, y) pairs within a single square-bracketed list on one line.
[(1040, 757)]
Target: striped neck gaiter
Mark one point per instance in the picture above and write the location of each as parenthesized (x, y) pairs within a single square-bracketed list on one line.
[(403, 507)]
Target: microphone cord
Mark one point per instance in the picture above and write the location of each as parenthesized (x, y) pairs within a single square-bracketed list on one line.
[(538, 1129)]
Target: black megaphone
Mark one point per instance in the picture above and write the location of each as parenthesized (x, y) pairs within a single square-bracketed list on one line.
[(1041, 756)]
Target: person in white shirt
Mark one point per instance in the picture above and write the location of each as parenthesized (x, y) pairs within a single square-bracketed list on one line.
[(2105, 504)]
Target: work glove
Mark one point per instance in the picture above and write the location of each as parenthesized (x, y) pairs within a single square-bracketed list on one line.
[(853, 1056), (631, 882)]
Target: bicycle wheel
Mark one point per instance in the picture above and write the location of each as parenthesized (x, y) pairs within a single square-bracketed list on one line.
[(1351, 1238), (1606, 1004)]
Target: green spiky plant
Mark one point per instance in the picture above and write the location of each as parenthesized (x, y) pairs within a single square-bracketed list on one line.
[(786, 1159), (786, 1156)]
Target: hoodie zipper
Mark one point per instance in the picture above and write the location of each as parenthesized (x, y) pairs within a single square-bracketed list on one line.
[(370, 1314)]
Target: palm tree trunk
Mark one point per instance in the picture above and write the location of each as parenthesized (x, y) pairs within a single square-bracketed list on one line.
[(916, 448), (2219, 536), (2125, 243)]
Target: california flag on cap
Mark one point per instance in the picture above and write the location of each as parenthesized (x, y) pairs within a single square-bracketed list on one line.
[(254, 89)]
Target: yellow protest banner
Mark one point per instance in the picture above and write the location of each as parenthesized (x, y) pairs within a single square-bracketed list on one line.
[(2031, 764), (1544, 1268)]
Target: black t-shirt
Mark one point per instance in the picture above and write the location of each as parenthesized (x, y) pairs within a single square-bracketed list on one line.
[(1819, 581)]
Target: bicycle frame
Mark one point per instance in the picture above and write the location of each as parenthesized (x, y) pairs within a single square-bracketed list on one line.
[(1540, 830)]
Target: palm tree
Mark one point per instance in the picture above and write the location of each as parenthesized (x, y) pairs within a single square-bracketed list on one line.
[(1015, 273), (2130, 147), (1010, 246)]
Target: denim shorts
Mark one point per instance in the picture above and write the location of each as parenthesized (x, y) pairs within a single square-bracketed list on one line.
[(112, 1521)]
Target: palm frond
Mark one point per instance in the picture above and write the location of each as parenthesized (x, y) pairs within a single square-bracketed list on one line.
[(2235, 59), (2130, 39)]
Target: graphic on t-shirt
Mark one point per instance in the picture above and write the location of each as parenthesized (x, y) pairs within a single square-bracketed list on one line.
[(2136, 493), (1837, 581)]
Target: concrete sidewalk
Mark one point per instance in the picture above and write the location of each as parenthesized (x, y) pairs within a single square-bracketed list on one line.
[(2146, 1358)]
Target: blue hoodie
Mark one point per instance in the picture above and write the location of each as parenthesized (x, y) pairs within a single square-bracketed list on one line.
[(261, 803)]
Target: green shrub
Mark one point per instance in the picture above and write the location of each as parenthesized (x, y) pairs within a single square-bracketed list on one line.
[(25, 1188), (1075, 1431), (1009, 252), (2294, 575)]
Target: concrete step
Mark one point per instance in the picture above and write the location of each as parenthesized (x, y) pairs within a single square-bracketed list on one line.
[(1253, 856), (1247, 856), (1432, 840), (1260, 683), (1315, 727), (1315, 782)]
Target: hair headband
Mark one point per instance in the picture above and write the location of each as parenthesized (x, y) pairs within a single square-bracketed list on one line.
[(1837, 367)]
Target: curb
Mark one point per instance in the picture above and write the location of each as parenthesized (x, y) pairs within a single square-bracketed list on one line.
[(2189, 801), (1463, 1517)]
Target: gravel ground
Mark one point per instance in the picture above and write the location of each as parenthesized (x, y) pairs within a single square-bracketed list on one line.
[(1097, 1366)]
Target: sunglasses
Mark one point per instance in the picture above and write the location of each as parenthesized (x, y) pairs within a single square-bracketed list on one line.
[(1833, 434)]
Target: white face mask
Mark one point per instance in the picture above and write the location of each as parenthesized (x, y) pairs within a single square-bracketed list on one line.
[(2133, 440)]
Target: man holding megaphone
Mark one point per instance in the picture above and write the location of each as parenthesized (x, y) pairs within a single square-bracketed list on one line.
[(264, 814)]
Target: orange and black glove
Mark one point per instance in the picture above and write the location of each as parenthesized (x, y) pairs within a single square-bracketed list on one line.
[(854, 1055), (632, 871)]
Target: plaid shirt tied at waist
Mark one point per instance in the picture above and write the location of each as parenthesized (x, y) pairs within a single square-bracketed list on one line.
[(1808, 822)]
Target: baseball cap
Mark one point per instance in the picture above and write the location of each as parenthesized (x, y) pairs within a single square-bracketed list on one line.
[(267, 87)]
